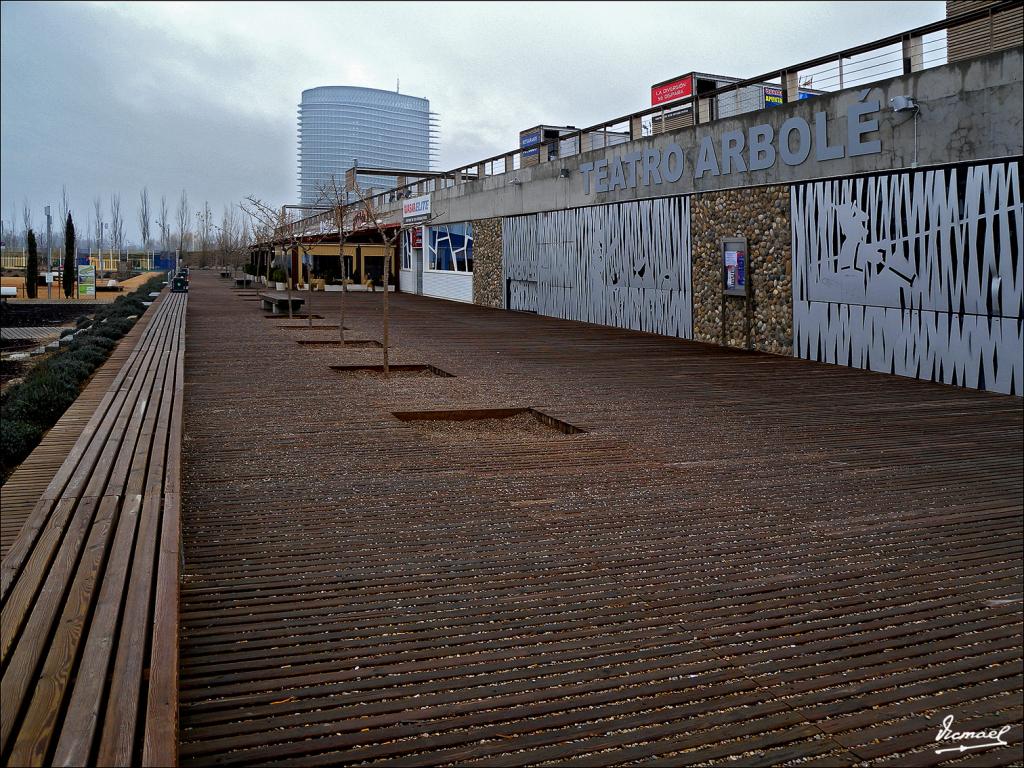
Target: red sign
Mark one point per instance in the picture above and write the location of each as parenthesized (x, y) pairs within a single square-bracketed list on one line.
[(671, 91), (417, 237)]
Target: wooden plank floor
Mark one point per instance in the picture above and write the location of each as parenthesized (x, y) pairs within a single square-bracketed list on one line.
[(89, 587), (746, 559), (27, 483)]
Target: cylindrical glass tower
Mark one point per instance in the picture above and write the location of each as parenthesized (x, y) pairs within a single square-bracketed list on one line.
[(340, 125)]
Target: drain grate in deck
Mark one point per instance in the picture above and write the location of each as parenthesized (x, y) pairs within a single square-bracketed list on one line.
[(488, 420)]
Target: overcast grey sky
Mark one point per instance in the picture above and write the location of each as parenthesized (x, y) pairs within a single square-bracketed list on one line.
[(109, 97)]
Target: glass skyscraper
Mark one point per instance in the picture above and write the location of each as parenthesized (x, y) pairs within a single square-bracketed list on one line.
[(340, 125)]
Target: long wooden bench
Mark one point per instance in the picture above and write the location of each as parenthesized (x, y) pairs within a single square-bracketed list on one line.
[(277, 302), (89, 588)]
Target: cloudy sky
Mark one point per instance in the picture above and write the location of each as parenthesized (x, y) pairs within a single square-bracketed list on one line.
[(111, 97)]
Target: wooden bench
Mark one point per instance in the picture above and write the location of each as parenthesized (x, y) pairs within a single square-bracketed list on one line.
[(89, 588), (277, 302), (243, 282), (225, 273)]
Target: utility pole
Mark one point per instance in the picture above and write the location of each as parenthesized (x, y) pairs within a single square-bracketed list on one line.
[(49, 256)]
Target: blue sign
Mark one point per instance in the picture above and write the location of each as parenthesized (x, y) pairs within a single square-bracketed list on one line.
[(529, 140)]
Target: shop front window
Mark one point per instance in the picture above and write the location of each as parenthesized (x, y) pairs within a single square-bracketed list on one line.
[(450, 248)]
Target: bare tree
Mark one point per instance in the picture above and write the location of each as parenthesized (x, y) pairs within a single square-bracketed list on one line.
[(26, 221), (204, 228), (231, 237), (184, 216), (144, 214), (337, 199), (14, 225), (372, 217), (267, 225), (65, 209), (245, 235), (164, 224), (116, 224), (97, 205)]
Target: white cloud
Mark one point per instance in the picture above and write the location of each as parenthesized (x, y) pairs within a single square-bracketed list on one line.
[(109, 96)]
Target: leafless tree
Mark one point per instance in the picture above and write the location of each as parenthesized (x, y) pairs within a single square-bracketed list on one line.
[(144, 214), (231, 237), (65, 208), (26, 221), (333, 195), (263, 221), (164, 224), (116, 224), (97, 205), (245, 236), (267, 224), (184, 216), (204, 229), (373, 218), (271, 225), (14, 225)]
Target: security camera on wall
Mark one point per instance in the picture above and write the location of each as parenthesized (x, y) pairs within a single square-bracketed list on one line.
[(902, 103)]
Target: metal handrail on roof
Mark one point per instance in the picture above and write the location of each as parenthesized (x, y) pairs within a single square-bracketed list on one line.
[(469, 172)]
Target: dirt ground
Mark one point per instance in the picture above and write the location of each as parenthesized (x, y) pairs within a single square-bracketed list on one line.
[(129, 286)]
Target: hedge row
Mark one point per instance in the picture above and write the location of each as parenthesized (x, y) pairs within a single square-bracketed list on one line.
[(32, 406)]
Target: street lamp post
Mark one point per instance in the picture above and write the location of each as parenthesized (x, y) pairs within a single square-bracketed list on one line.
[(49, 256)]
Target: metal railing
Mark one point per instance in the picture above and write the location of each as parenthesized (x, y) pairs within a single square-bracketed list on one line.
[(912, 51)]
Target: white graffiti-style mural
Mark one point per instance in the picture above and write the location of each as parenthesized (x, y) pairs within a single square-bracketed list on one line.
[(917, 274), (625, 265)]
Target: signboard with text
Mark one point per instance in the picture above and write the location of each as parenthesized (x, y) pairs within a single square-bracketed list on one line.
[(671, 91), (528, 140), (86, 281), (816, 136), (735, 267), (773, 96), (416, 209)]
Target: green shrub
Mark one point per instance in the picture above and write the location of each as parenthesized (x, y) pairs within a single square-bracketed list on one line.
[(31, 407), (112, 329), (42, 397), (72, 365), (90, 354), (17, 439), (93, 340)]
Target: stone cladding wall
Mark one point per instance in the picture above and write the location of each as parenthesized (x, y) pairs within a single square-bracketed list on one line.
[(762, 215), (488, 288)]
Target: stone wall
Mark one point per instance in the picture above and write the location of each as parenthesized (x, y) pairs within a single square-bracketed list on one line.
[(488, 288), (762, 215)]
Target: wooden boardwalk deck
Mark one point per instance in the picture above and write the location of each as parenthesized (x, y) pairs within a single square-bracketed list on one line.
[(89, 587), (745, 560), (27, 483)]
